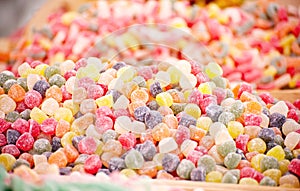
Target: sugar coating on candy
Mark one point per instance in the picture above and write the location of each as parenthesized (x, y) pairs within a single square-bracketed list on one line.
[(147, 149), (116, 164), (25, 142), (92, 164), (152, 118), (230, 178), (207, 162), (170, 162), (269, 163), (42, 145), (213, 112), (140, 112), (12, 136), (198, 174), (277, 120), (134, 159), (185, 168), (232, 160), (267, 181)]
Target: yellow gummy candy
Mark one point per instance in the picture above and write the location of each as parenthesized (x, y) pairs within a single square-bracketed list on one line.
[(72, 106), (205, 88), (68, 17), (270, 71), (45, 43), (213, 70), (67, 138), (126, 73), (175, 74), (255, 161), (204, 123), (7, 161), (235, 129), (164, 99), (38, 115), (275, 174), (214, 176), (40, 69), (63, 113), (213, 10), (106, 100), (128, 173), (277, 152), (193, 110)]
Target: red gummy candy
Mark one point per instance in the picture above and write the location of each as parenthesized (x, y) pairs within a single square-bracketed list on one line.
[(95, 91), (21, 106), (87, 145), (182, 134), (32, 99), (34, 128), (195, 97), (206, 102), (104, 87), (48, 126), (195, 67), (85, 82), (121, 112), (252, 75), (92, 164), (69, 74), (194, 156), (201, 78), (25, 142), (267, 98), (65, 94), (80, 63), (104, 111), (241, 142), (248, 172), (234, 76), (244, 87), (294, 167), (2, 140), (127, 140), (35, 63), (220, 93), (4, 125), (297, 103), (252, 119), (282, 14), (145, 72), (289, 105), (103, 124), (21, 125), (244, 59), (11, 149), (292, 114)]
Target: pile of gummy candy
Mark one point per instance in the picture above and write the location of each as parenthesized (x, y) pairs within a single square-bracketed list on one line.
[(98, 116), (257, 43), (170, 120)]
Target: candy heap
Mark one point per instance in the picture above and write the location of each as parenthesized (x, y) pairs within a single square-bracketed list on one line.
[(170, 120), (257, 43)]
